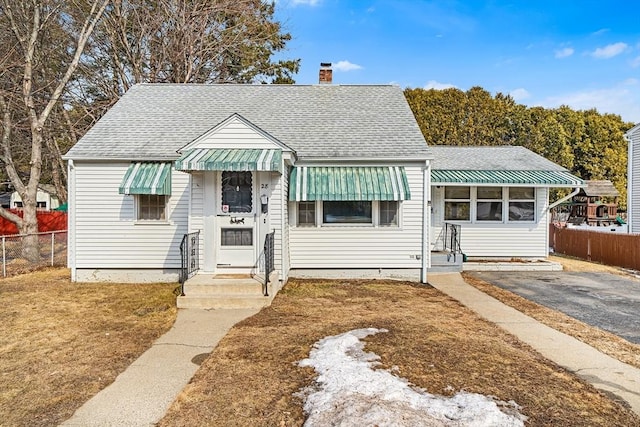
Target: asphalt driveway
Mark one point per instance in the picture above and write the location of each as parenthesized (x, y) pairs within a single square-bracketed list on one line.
[(607, 301)]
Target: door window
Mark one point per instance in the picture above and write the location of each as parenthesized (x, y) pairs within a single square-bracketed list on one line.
[(237, 192)]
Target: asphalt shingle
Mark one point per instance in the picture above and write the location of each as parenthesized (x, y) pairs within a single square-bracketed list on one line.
[(482, 158), (152, 121)]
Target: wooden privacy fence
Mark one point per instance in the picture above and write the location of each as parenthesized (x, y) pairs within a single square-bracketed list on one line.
[(621, 250)]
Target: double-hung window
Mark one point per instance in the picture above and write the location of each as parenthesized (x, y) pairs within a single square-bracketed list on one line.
[(489, 204), (457, 203), (151, 207), (522, 204)]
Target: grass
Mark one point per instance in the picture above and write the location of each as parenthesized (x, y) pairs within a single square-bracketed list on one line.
[(604, 341), (252, 376), (62, 342)]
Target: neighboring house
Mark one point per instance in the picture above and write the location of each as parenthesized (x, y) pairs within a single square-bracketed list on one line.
[(498, 195), (46, 198), (340, 174), (633, 179)]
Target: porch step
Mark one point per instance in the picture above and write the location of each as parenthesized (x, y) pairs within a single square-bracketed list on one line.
[(210, 292), (443, 262)]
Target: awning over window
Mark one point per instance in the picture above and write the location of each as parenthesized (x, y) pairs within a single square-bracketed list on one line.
[(531, 178), (348, 183), (147, 178), (224, 159)]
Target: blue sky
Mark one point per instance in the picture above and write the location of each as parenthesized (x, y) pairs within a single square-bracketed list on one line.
[(582, 53)]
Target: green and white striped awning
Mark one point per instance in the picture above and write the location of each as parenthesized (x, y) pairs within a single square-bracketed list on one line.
[(226, 159), (147, 178), (508, 177), (308, 183)]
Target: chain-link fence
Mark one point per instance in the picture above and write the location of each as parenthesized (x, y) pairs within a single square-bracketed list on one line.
[(28, 252)]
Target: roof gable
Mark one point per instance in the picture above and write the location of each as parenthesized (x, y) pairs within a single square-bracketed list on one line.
[(236, 132)]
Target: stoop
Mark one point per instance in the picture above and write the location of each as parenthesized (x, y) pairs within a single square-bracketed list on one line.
[(210, 291)]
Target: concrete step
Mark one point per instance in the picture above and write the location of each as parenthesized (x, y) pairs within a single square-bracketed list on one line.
[(250, 288), (444, 262), (223, 301)]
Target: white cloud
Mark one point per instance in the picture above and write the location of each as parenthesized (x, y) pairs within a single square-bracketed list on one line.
[(600, 32), (609, 51), (635, 63), (346, 66), (564, 52), (432, 84), (622, 99), (520, 94)]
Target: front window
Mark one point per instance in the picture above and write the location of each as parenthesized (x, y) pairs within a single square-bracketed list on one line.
[(307, 214), (151, 207), (347, 212), (237, 192), (388, 212), (522, 204), (489, 204), (236, 237), (457, 203)]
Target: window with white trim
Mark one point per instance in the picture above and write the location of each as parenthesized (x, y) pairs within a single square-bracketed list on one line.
[(457, 203), (489, 204), (522, 204), (388, 213), (307, 214), (349, 212), (151, 207)]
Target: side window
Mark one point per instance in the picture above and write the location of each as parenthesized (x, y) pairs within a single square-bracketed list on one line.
[(457, 203), (522, 204), (489, 204), (151, 207), (306, 214), (388, 213), (237, 192)]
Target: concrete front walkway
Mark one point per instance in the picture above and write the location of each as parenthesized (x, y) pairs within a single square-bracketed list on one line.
[(141, 395), (602, 371)]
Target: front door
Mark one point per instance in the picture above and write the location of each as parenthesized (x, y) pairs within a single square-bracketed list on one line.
[(237, 220)]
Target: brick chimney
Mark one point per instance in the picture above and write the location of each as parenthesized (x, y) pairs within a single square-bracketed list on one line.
[(326, 74)]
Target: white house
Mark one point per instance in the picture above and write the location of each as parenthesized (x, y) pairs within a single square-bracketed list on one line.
[(340, 176), (633, 179), (46, 198)]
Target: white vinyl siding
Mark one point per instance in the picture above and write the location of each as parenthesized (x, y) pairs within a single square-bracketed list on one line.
[(351, 247), (233, 134), (107, 232), (279, 186), (507, 239), (633, 187)]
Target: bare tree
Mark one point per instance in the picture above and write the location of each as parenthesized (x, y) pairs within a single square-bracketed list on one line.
[(32, 87)]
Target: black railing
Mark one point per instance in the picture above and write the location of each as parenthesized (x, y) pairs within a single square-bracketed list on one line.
[(189, 253), (451, 240), (268, 260)]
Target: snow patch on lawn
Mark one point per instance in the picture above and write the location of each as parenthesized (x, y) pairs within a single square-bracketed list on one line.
[(349, 392)]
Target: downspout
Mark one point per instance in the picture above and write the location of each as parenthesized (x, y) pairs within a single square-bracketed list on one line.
[(630, 183), (553, 205), (71, 219), (284, 195), (426, 215)]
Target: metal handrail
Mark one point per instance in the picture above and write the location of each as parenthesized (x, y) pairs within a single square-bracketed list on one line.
[(269, 260), (190, 258), (452, 239)]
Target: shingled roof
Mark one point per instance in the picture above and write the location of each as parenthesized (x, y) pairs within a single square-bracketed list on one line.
[(152, 121), (483, 158)]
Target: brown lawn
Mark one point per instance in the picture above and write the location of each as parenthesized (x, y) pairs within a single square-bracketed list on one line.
[(252, 377), (62, 342), (604, 341)]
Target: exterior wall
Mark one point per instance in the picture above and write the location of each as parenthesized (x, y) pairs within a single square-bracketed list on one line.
[(51, 202), (493, 240), (233, 134), (106, 234), (278, 208), (352, 247), (633, 185)]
